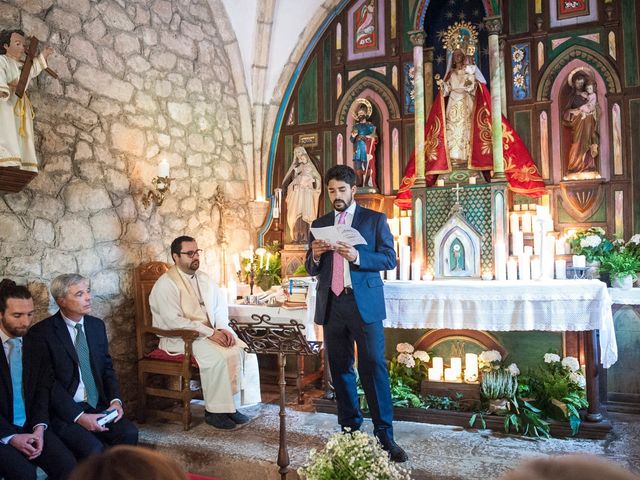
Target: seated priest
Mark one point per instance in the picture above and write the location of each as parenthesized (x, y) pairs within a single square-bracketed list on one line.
[(85, 381), (186, 298), (25, 384)]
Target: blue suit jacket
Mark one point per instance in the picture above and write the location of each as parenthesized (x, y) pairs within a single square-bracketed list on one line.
[(377, 255), (64, 360)]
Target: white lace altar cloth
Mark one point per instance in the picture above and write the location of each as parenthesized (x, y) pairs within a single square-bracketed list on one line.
[(504, 306)]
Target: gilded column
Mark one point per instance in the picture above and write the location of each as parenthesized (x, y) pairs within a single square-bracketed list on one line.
[(417, 39), (494, 27), (428, 81)]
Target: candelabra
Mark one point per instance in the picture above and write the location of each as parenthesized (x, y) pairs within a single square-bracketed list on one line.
[(160, 187), (252, 277)]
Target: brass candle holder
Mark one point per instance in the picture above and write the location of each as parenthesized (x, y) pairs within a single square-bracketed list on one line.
[(160, 187)]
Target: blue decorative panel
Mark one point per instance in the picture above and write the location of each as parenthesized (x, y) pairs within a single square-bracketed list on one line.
[(409, 88), (520, 65)]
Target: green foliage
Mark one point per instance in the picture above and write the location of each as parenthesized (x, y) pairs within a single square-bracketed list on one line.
[(444, 403), (499, 384), (592, 243), (301, 271), (621, 264), (269, 274)]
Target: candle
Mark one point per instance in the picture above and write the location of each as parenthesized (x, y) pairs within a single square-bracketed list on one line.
[(516, 207), (561, 269), (532, 206), (470, 367), (517, 242), (487, 276), (450, 375), (440, 182), (236, 262), (405, 262), (526, 222), (499, 261), (392, 274), (163, 168), (456, 364), (405, 226), (524, 267), (394, 226), (579, 261), (261, 252), (428, 276), (232, 292), (535, 267), (472, 180), (560, 250), (268, 260), (544, 200), (416, 268), (515, 222), (435, 375), (276, 212), (528, 250), (512, 268), (438, 362)]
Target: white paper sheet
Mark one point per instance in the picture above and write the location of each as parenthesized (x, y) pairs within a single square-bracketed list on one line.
[(338, 233)]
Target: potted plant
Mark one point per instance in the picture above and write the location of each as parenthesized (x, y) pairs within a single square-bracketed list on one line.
[(498, 384), (622, 266), (592, 243)]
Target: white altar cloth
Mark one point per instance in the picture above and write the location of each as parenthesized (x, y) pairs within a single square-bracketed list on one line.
[(550, 305), (313, 332)]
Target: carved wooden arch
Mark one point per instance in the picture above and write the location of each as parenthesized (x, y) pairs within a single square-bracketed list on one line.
[(484, 339), (364, 83), (595, 59)]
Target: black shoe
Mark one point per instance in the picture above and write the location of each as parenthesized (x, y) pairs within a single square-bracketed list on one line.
[(396, 453), (238, 418), (219, 420)]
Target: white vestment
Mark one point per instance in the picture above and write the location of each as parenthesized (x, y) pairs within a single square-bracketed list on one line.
[(229, 376), (17, 147)]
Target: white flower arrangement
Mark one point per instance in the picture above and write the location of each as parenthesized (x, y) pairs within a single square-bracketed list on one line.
[(590, 241), (578, 379), (571, 363), (489, 360), (513, 370), (404, 348), (353, 455), (407, 360), (635, 239), (551, 358), (422, 356)]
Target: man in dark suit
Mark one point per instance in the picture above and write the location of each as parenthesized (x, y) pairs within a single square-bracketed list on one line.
[(85, 382), (25, 384), (350, 306)]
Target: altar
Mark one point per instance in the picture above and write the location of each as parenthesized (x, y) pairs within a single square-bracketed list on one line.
[(551, 305)]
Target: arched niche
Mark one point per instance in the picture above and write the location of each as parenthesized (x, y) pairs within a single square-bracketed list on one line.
[(491, 8), (387, 107)]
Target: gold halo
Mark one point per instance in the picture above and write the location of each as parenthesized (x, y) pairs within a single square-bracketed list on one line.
[(585, 71), (357, 103)]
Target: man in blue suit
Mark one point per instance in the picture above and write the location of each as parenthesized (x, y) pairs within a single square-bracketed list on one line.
[(85, 380), (350, 306)]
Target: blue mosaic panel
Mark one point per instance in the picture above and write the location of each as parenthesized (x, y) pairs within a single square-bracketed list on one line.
[(521, 76), (409, 88), (476, 203)]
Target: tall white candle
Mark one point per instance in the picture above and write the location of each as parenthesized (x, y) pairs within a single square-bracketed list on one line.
[(416, 270), (526, 222), (392, 274), (438, 362), (405, 226), (524, 267), (268, 260), (579, 261), (549, 256), (500, 261), (163, 168), (456, 364), (517, 242), (232, 292), (528, 250), (450, 375), (405, 262), (394, 226), (560, 246), (514, 222), (561, 269), (435, 375), (535, 267), (236, 262), (512, 268), (470, 367)]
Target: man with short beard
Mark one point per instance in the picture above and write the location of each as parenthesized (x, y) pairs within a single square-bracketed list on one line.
[(85, 381), (25, 384), (186, 298)]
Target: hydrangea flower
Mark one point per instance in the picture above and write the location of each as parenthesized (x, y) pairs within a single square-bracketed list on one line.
[(404, 348), (513, 370), (571, 363), (590, 241), (578, 379), (551, 358), (635, 239), (489, 356), (407, 360), (421, 355)]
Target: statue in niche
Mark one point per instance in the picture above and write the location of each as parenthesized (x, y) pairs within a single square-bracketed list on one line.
[(581, 117), (302, 185), (456, 257), (364, 139)]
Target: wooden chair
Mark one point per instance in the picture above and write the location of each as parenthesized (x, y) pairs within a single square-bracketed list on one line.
[(153, 361)]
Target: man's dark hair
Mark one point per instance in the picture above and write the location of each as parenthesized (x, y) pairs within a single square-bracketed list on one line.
[(176, 245), (5, 39), (9, 289), (342, 173)]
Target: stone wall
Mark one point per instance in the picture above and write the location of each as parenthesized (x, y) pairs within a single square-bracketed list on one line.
[(139, 80)]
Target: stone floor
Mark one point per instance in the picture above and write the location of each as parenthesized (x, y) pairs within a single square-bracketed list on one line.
[(436, 452)]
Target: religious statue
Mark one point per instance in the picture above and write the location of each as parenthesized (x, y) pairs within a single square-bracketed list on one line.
[(364, 139), (17, 147), (581, 117), (458, 131), (302, 184)]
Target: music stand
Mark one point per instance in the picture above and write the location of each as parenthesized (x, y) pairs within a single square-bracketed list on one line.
[(277, 338)]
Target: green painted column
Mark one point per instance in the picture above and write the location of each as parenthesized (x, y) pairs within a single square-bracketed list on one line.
[(503, 79), (417, 39), (428, 81), (494, 27)]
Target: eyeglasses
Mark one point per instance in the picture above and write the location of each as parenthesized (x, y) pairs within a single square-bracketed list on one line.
[(191, 253)]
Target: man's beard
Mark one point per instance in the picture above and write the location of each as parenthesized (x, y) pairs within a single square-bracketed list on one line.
[(195, 265), (343, 205), (15, 331)]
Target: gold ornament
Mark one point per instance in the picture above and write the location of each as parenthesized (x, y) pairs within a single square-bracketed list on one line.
[(462, 36), (358, 103)]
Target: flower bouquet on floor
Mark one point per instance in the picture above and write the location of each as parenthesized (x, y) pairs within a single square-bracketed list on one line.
[(352, 456)]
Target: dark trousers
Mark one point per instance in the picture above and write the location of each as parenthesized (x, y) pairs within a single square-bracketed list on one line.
[(343, 327), (84, 443), (56, 460)]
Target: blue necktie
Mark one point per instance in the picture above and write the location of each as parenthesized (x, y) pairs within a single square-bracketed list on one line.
[(82, 349), (15, 366)]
